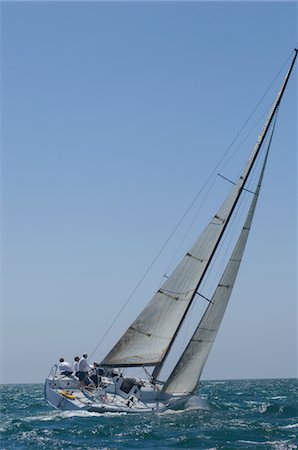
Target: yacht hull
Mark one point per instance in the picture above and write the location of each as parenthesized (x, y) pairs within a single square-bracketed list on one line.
[(65, 394)]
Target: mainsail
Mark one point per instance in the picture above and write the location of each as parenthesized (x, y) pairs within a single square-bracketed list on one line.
[(186, 374), (150, 337)]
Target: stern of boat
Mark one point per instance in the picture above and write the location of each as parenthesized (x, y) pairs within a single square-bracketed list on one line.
[(62, 392)]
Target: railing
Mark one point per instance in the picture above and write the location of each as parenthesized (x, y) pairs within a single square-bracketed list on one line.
[(53, 371)]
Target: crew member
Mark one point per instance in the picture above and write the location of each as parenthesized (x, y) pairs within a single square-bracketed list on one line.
[(75, 367), (64, 367), (83, 371)]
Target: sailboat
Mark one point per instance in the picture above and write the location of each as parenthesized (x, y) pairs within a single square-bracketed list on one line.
[(149, 339)]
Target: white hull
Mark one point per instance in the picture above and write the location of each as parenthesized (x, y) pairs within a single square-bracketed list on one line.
[(64, 393)]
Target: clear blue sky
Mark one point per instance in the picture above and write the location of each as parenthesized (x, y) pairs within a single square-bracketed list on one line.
[(113, 116)]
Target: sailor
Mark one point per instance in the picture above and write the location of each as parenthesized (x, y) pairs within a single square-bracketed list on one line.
[(75, 367), (83, 371), (94, 374), (64, 367)]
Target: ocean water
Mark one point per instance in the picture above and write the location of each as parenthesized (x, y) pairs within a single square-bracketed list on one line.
[(243, 414)]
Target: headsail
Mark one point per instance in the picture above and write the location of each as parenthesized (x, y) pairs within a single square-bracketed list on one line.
[(186, 374), (150, 337)]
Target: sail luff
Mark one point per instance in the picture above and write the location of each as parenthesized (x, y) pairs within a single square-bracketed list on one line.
[(187, 372), (150, 337)]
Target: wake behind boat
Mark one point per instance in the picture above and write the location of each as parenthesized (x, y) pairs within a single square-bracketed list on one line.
[(150, 338)]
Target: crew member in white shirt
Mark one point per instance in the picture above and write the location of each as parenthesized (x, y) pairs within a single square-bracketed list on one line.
[(75, 367), (84, 368), (64, 367), (94, 377)]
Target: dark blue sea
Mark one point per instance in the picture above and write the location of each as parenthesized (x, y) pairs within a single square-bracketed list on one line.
[(243, 414)]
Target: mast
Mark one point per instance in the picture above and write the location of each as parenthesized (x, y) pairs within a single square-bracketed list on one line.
[(244, 178)]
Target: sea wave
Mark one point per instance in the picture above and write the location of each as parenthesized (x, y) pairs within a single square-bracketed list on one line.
[(293, 425)]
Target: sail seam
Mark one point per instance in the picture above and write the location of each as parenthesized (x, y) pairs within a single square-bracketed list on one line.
[(141, 332), (208, 329), (168, 294)]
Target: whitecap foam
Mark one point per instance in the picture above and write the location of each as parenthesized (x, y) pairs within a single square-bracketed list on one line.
[(263, 407), (293, 425), (60, 415), (84, 413), (282, 445), (171, 411), (251, 442)]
